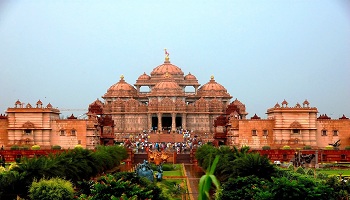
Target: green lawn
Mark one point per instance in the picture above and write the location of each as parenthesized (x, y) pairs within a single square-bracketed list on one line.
[(172, 173), (174, 188), (344, 172)]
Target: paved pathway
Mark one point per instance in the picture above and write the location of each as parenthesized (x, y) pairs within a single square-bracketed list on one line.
[(193, 174)]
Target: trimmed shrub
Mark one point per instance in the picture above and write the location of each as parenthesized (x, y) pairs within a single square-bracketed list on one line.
[(329, 147), (300, 170), (25, 147), (286, 147), (78, 146), (321, 175), (347, 148), (55, 188), (56, 147), (14, 147), (307, 147), (310, 172), (266, 148), (36, 147)]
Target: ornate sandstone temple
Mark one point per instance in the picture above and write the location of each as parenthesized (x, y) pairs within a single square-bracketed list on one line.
[(168, 102), (165, 101)]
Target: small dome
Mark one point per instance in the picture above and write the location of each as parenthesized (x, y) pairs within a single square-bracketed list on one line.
[(144, 77), (121, 89), (18, 102), (39, 102), (277, 105), (190, 77), (237, 102), (167, 87), (284, 102), (212, 88)]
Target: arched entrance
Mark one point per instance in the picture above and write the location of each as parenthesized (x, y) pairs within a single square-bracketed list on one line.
[(178, 121), (154, 122), (166, 121)]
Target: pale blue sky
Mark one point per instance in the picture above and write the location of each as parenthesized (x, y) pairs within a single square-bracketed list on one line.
[(69, 53)]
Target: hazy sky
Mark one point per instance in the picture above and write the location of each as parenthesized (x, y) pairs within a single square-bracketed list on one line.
[(68, 53)]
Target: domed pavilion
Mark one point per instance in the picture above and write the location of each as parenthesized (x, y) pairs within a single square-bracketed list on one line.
[(165, 100)]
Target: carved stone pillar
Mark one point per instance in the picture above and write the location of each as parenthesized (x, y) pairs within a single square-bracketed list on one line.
[(159, 115), (173, 122), (149, 121)]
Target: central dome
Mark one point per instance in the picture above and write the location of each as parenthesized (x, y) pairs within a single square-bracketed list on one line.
[(167, 67)]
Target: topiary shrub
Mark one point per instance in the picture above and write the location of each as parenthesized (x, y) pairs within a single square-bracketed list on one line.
[(329, 147), (266, 148), (307, 147), (347, 148), (300, 170), (56, 147), (54, 188), (321, 175), (310, 172), (14, 147), (36, 147), (26, 147), (286, 147), (291, 167), (78, 146)]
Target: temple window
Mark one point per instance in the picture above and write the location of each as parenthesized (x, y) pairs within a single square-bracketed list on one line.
[(62, 132), (254, 133), (73, 132), (27, 132), (335, 132), (265, 133), (79, 141), (324, 132), (296, 131)]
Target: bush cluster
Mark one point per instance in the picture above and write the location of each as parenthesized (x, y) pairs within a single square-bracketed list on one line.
[(74, 165), (247, 175)]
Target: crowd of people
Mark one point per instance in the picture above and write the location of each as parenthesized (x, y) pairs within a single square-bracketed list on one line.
[(141, 144)]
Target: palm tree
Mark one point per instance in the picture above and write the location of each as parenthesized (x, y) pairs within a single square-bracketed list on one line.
[(253, 164)]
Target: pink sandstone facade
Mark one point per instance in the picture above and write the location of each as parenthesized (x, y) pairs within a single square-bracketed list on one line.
[(165, 102)]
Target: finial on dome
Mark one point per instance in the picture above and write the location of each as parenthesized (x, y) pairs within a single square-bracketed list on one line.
[(212, 77), (122, 77), (166, 56)]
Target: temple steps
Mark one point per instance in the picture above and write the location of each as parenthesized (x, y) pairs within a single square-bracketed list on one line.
[(172, 137)]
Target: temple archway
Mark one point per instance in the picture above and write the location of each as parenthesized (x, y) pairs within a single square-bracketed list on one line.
[(178, 122), (166, 121), (154, 122)]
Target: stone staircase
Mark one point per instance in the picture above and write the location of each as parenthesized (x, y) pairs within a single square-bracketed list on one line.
[(172, 137)]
